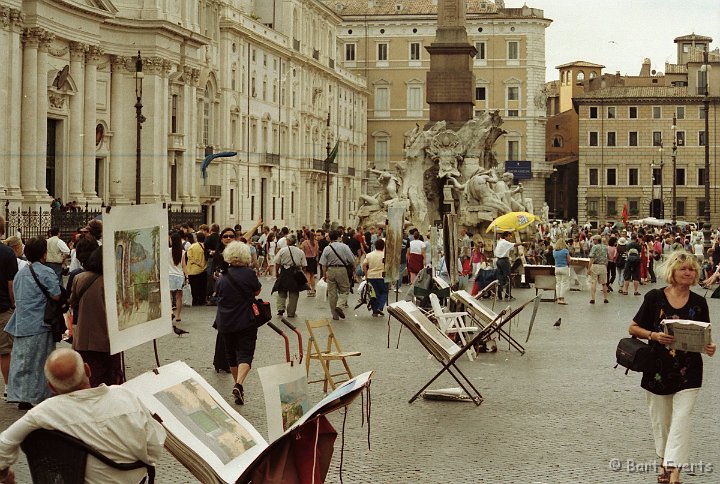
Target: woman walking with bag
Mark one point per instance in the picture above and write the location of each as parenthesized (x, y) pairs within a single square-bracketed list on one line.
[(177, 273), (236, 290), (310, 249), (33, 339), (673, 386)]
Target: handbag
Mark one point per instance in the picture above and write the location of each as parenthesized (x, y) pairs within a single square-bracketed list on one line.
[(635, 355), (54, 310), (260, 310), (298, 275)]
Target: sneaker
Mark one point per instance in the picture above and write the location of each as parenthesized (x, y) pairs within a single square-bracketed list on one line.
[(377, 314), (281, 312), (239, 394), (509, 298), (340, 313)]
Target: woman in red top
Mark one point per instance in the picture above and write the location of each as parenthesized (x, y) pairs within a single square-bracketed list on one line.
[(310, 248)]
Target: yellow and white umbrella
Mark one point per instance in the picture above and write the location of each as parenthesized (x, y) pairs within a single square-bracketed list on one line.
[(512, 221)]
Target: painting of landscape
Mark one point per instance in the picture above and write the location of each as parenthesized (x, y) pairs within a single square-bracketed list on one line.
[(293, 400), (137, 276), (196, 409)]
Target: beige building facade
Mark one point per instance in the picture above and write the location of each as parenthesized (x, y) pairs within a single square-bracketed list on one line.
[(385, 42), (217, 76), (640, 136)]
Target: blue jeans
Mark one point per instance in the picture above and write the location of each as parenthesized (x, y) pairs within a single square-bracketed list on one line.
[(381, 294)]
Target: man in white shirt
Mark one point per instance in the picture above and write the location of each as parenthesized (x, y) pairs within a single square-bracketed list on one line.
[(110, 419), (57, 252), (502, 264), (281, 241)]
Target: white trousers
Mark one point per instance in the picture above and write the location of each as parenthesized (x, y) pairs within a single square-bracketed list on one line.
[(670, 416), (562, 281)]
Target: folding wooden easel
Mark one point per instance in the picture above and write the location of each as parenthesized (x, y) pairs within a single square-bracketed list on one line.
[(483, 316), (442, 348)]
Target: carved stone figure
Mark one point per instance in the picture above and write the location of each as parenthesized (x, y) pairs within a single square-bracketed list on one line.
[(545, 212), (446, 150)]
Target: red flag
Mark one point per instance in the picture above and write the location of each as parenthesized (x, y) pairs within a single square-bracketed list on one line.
[(625, 214)]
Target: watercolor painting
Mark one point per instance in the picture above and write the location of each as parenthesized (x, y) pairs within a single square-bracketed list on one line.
[(198, 411), (137, 276)]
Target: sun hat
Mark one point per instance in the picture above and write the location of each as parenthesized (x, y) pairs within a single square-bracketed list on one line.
[(622, 241)]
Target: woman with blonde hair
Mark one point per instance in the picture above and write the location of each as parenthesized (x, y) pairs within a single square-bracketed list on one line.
[(236, 290), (562, 270), (672, 386)]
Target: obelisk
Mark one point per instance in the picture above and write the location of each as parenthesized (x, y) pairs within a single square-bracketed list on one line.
[(450, 81)]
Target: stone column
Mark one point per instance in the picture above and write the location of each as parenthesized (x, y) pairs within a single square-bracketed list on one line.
[(75, 138), (46, 39), (28, 131), (91, 61), (190, 167), (121, 101), (11, 76)]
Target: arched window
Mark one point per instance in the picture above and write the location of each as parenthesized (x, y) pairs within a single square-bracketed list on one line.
[(557, 141), (580, 76)]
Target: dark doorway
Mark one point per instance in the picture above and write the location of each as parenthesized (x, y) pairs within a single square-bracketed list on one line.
[(263, 196), (52, 126), (656, 208)]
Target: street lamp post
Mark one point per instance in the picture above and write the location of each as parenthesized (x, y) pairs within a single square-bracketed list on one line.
[(706, 106), (327, 179), (140, 119), (674, 175)]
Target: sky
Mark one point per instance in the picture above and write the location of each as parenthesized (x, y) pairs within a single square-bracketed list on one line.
[(620, 33)]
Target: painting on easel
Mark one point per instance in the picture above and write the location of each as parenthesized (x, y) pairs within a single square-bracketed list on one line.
[(135, 258)]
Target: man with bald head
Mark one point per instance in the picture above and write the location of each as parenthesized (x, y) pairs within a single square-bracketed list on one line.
[(110, 419)]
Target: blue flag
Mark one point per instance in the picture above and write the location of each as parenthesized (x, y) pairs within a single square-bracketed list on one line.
[(209, 158)]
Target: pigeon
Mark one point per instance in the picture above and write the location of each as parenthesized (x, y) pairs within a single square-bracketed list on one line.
[(179, 331), (557, 323)]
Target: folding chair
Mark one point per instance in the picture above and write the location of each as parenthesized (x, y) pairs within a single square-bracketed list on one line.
[(331, 352), (442, 348), (452, 323), (483, 316), (54, 456)]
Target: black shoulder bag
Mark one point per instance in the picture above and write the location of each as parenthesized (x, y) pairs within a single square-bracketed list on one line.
[(348, 267), (261, 311), (54, 310), (298, 275), (634, 354)]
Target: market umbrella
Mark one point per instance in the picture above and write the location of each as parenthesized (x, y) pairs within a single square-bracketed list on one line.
[(512, 221)]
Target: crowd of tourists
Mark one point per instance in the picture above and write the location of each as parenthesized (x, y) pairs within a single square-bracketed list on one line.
[(227, 268)]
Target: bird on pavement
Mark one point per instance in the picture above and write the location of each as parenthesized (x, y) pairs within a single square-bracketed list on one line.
[(179, 331), (557, 323)]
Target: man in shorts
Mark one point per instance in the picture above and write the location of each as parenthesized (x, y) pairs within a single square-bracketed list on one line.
[(598, 269)]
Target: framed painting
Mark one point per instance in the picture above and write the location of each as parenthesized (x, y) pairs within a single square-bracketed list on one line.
[(135, 266)]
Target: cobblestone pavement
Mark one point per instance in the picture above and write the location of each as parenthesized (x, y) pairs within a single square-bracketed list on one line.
[(558, 414)]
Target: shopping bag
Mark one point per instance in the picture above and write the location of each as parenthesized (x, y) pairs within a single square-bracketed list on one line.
[(187, 295)]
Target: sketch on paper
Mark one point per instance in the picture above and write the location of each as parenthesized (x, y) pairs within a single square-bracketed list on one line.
[(286, 396), (137, 276), (196, 409)]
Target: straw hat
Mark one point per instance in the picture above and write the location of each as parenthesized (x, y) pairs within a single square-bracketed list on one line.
[(622, 241)]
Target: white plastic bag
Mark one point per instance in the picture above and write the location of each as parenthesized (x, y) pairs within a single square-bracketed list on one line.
[(187, 295), (321, 289)]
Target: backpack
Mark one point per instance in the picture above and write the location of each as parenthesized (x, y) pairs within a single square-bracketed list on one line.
[(633, 256)]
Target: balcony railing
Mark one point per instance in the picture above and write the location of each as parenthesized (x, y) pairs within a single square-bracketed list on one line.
[(272, 159), (176, 142), (210, 192), (319, 165)]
